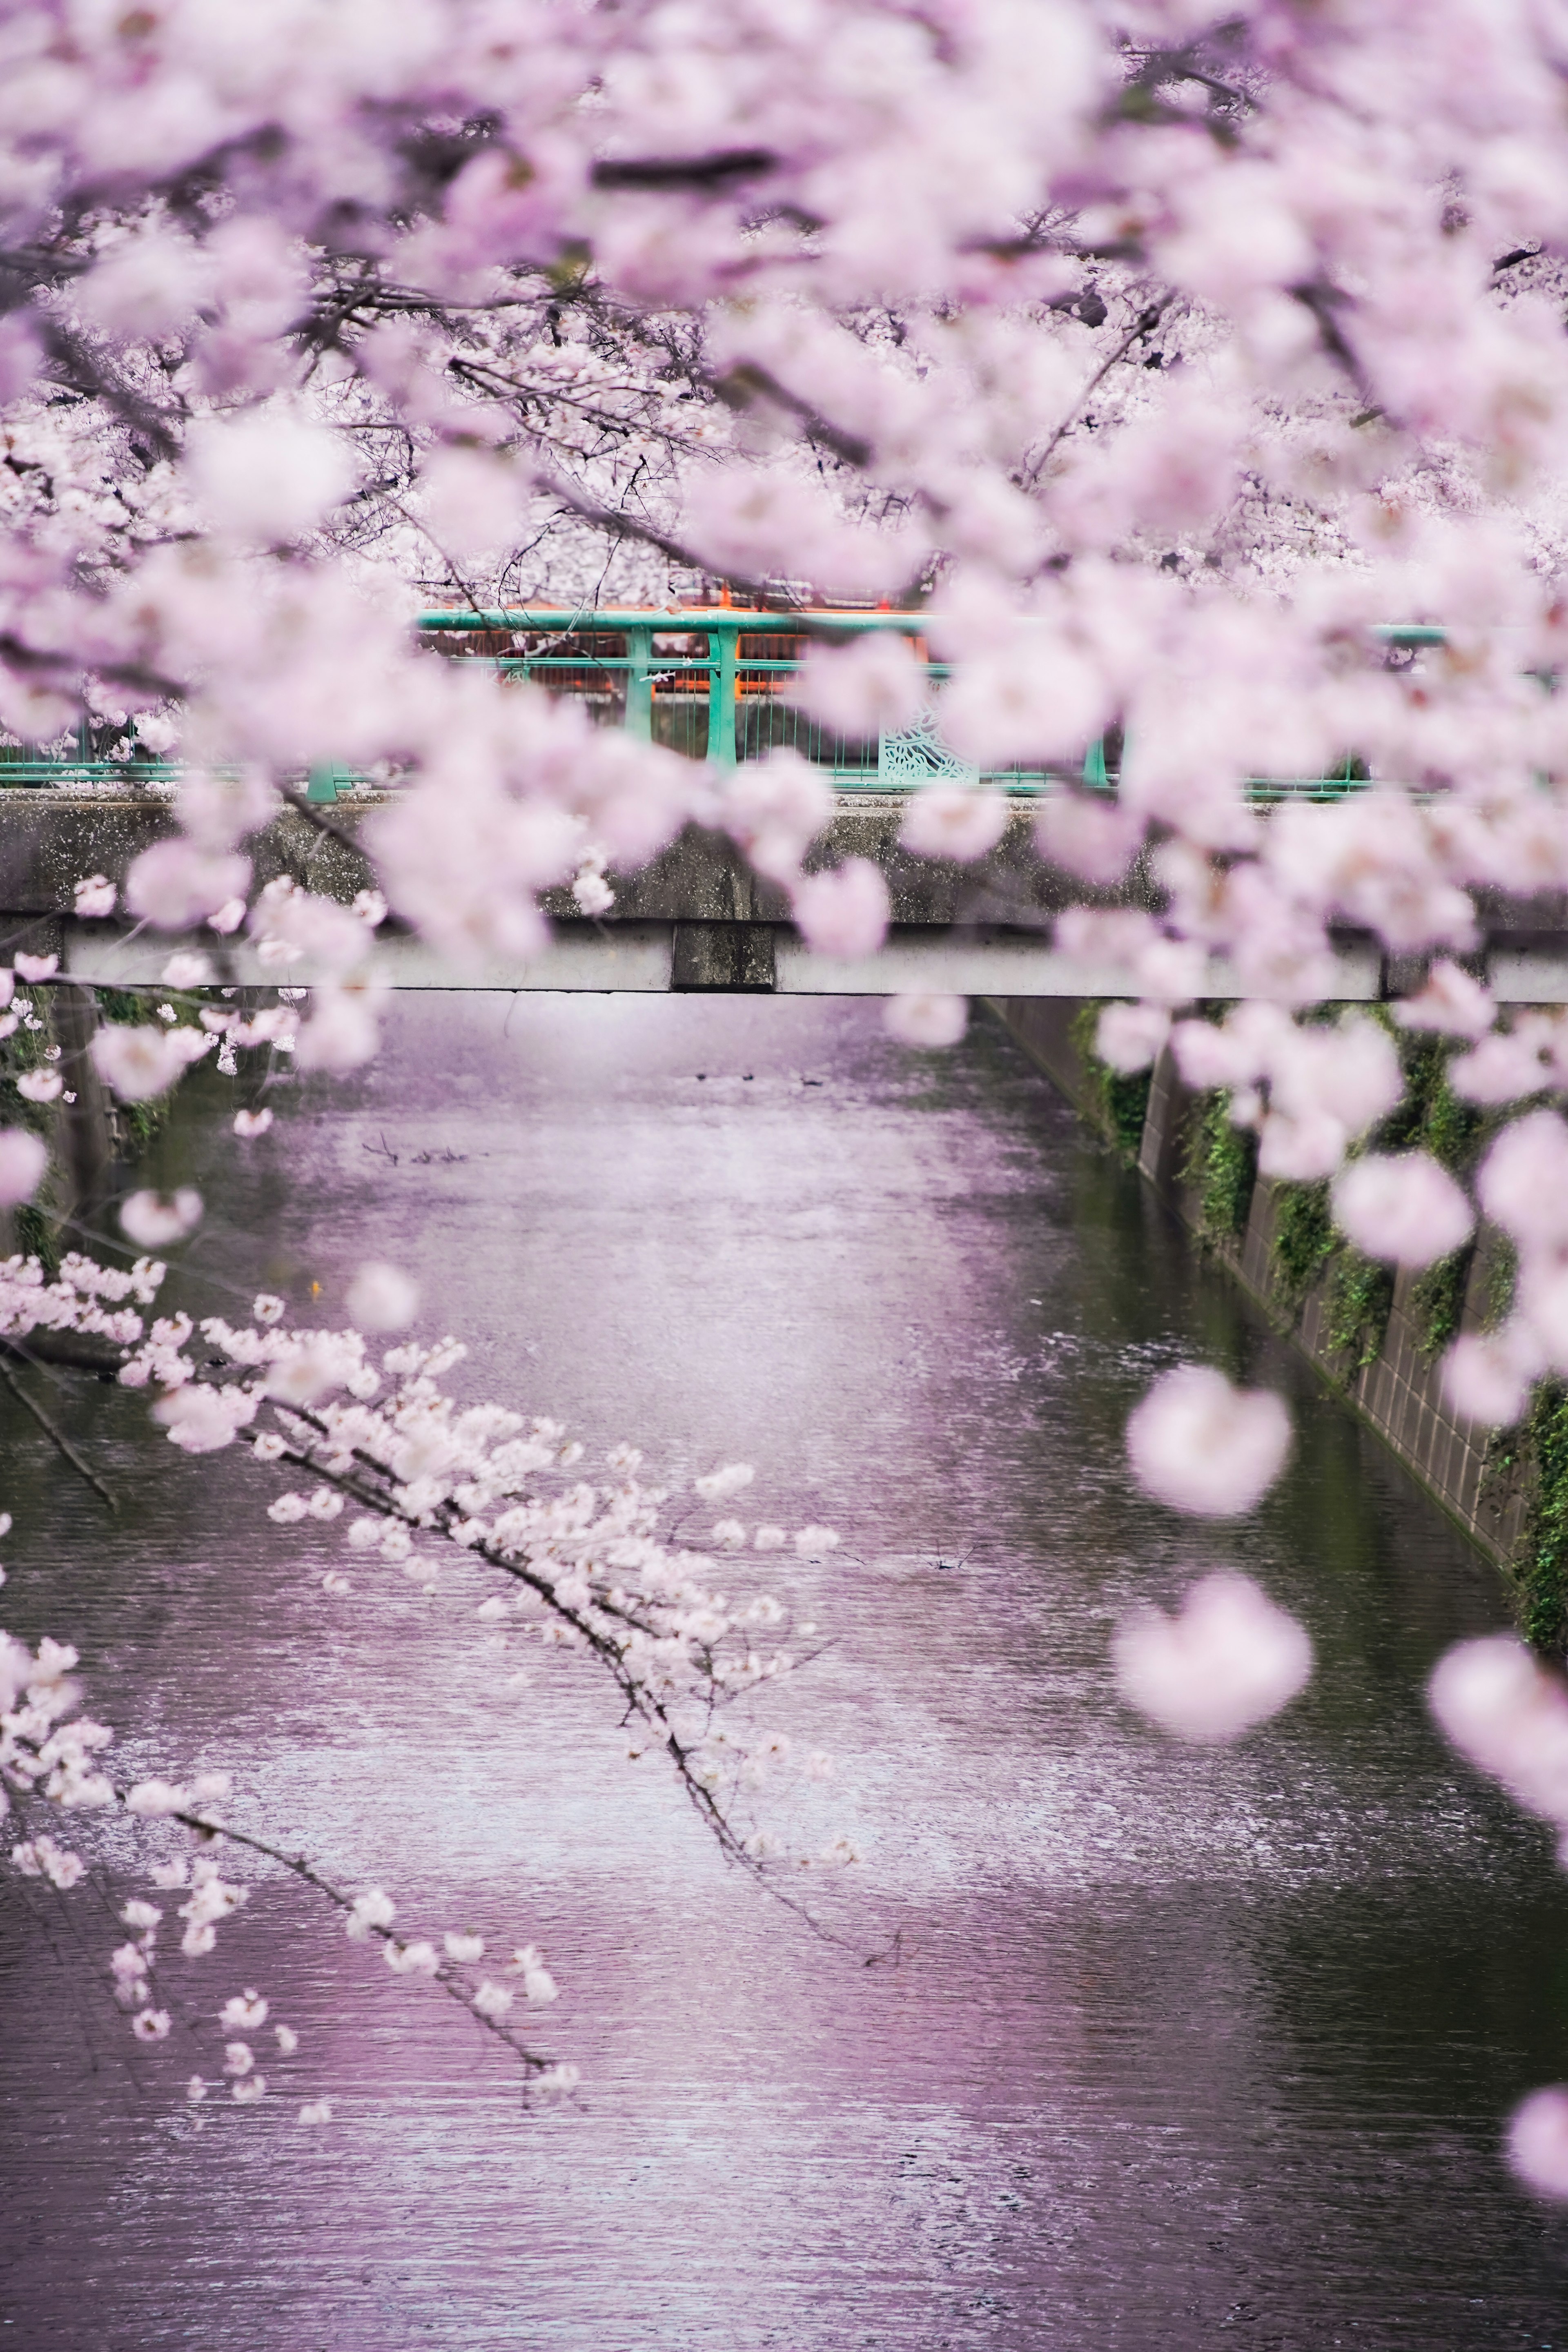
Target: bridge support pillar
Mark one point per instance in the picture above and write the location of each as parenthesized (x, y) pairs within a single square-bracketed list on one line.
[(729, 956)]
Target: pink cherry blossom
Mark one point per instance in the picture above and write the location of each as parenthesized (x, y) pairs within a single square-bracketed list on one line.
[(1201, 1445), (843, 912), (953, 820), (153, 1220), (1487, 1376), (1229, 1659), (140, 1062), (1092, 838), (874, 682), (1538, 2142), (1130, 1036), (383, 1299), (926, 1018), (1522, 1184), (1450, 1001), (23, 1161), (269, 475), (1508, 1714), (202, 1420), (1404, 1207), (174, 884)]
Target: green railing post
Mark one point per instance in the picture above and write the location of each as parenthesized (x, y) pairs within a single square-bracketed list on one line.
[(639, 684), (322, 784), (721, 697)]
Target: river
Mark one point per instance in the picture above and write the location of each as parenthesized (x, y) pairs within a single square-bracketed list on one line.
[(1160, 2048)]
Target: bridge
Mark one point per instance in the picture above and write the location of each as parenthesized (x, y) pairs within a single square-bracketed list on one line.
[(709, 683)]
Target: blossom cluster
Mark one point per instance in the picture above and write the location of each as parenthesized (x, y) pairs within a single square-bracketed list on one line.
[(51, 1754)]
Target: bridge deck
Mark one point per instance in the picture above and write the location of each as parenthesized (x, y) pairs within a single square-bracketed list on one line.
[(696, 918)]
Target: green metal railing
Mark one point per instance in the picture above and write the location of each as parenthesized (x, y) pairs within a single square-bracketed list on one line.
[(710, 683)]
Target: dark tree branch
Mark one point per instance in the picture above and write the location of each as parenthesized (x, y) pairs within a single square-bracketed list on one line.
[(718, 172)]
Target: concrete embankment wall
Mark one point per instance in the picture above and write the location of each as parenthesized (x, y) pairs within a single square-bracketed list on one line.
[(1398, 1392)]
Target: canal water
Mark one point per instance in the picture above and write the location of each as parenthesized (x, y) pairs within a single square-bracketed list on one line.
[(1122, 2046)]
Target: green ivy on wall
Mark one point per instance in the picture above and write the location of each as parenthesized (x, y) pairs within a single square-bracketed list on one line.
[(1303, 1240), (1356, 1312), (1116, 1102), (1219, 1167), (1540, 1563)]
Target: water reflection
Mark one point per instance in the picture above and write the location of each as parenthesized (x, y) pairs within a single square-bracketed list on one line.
[(1177, 2046)]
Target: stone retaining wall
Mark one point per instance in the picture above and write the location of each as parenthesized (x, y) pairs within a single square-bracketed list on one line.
[(1399, 1393)]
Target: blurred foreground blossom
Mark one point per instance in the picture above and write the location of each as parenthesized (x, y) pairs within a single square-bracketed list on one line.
[(1201, 1445), (1129, 1036), (1230, 1659), (1403, 1207), (153, 1220), (95, 896), (956, 821), (383, 1299), (1451, 1003), (861, 688), (142, 1061), (23, 1160), (843, 912), (1508, 1714), (1538, 2142), (924, 1017), (1487, 1377)]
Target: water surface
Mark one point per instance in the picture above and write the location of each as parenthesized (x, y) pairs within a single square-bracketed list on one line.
[(1163, 2047)]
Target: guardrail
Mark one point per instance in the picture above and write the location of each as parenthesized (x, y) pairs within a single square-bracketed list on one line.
[(709, 683)]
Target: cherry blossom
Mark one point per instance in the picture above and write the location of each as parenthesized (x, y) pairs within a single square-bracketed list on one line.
[(23, 1161), (1538, 2142), (1404, 1207), (1228, 1660), (383, 1299), (153, 1220), (1129, 1036), (1135, 360), (1201, 1445), (843, 912), (139, 1062), (1509, 1715), (95, 896), (953, 820), (928, 1018)]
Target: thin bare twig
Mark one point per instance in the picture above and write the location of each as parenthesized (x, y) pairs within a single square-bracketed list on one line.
[(1145, 323)]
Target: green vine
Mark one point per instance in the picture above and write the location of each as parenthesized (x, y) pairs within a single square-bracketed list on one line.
[(38, 1236), (1115, 1102), (1356, 1312), (1437, 1300), (1542, 1564), (1502, 1279), (1219, 1164), (1303, 1240)]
